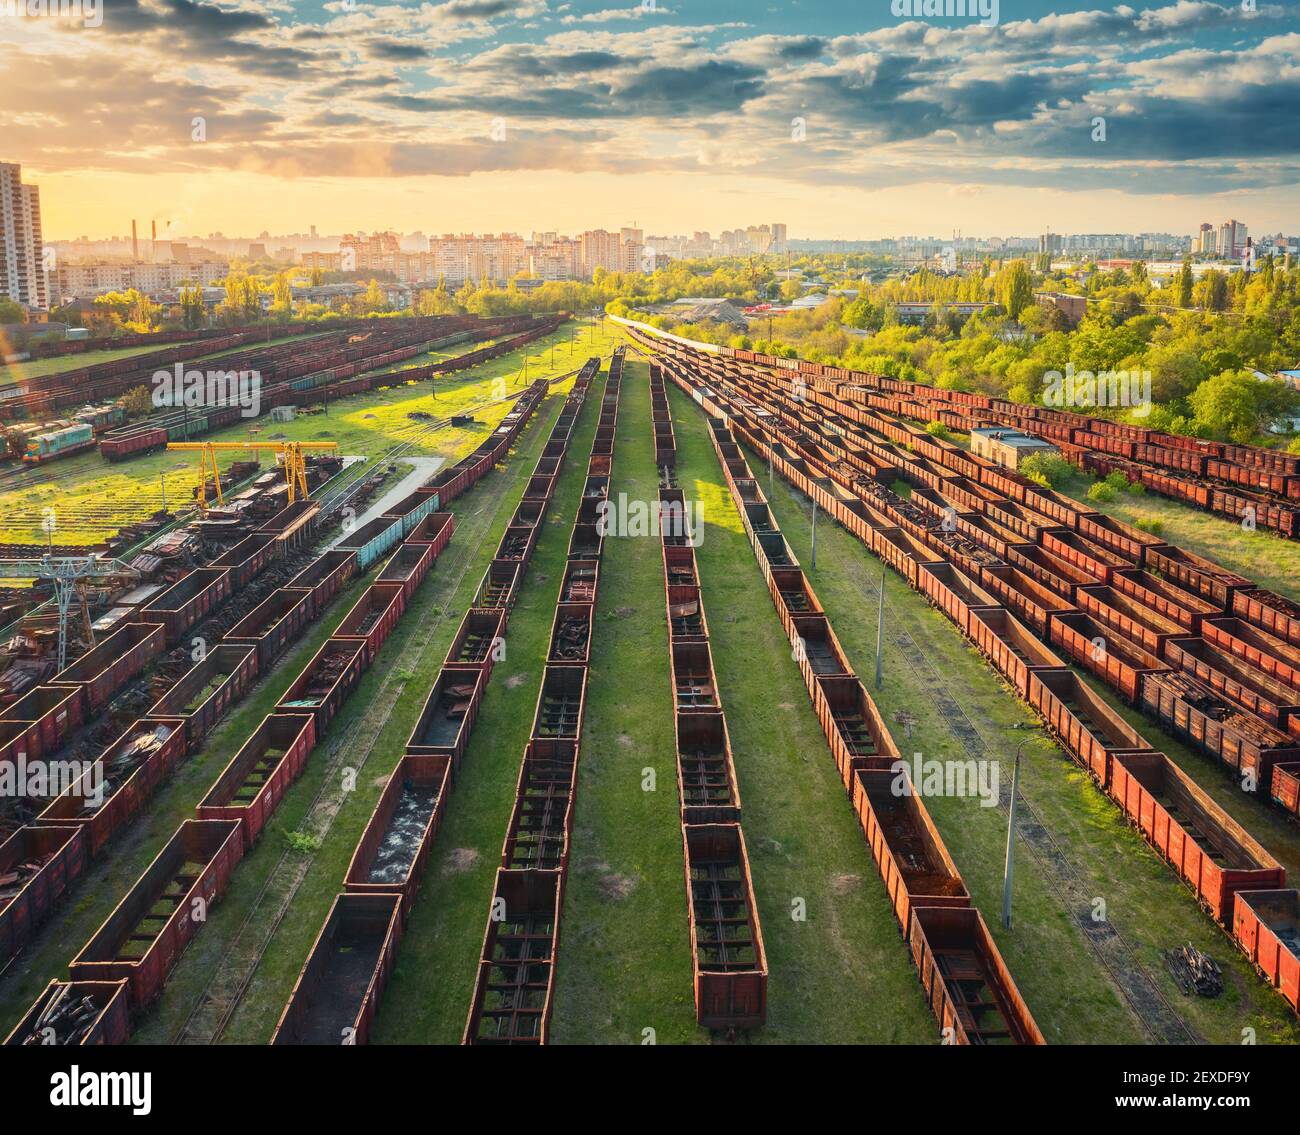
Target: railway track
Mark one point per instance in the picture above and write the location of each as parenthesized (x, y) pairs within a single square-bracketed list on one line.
[(216, 1005)]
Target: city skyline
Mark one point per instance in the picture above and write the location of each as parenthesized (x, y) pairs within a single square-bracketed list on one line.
[(484, 115)]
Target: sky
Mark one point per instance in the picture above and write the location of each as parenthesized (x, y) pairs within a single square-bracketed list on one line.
[(852, 119)]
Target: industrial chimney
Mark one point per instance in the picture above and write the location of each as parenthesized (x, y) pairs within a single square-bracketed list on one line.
[(135, 243)]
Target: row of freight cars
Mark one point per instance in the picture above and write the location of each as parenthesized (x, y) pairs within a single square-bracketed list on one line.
[(339, 380), (1232, 875), (728, 958), (1248, 483), (36, 442), (966, 982), (514, 985), (338, 989), (123, 967), (48, 395)]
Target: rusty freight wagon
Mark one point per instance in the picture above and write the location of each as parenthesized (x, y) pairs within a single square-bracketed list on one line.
[(954, 593), (76, 1013), (107, 667), (1240, 682), (435, 529), (694, 686), (141, 940), (1270, 655), (37, 866), (1196, 574), (499, 586), (391, 854), (1214, 854), (120, 783), (1118, 662), (1049, 569), (1091, 559), (274, 624), (966, 982), (373, 617), (188, 601), (1268, 611), (1128, 618), (854, 729), (40, 721), (449, 713), (512, 990), (408, 566), (1089, 729), (571, 628), (479, 641), (1014, 652), (1266, 925), (706, 772), (326, 681), (246, 559), (336, 994), (1033, 603), (208, 689), (726, 938), (252, 785), (913, 861), (1184, 608), (326, 576), (537, 836)]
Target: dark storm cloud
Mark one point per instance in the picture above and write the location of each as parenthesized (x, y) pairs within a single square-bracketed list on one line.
[(395, 50)]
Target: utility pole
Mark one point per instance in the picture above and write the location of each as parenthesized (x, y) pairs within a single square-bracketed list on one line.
[(814, 534), (1011, 840), (162, 480), (880, 633)]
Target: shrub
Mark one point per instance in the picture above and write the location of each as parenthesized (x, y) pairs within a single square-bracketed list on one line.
[(1101, 491), (1047, 469), (939, 430), (1150, 524)]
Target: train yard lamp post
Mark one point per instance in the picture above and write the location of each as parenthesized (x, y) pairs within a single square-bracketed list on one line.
[(880, 633), (1009, 868), (814, 534)]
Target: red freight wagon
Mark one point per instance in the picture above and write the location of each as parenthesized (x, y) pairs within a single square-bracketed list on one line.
[(1123, 539), (449, 714), (1090, 558), (274, 624), (694, 685), (1172, 602), (1214, 854), (541, 821), (326, 575), (58, 856), (107, 667), (373, 617), (854, 729), (517, 544), (392, 852), (1009, 645), (789, 590), (1237, 680), (188, 601), (247, 559), (1285, 788), (1271, 655), (570, 634), (817, 650), (1269, 611), (111, 1023), (1050, 570), (1022, 519), (121, 782), (141, 940), (1114, 659), (479, 641), (1033, 603), (1086, 725), (726, 938), (706, 774), (208, 689), (908, 850), (966, 982), (1197, 574), (335, 997), (252, 785), (1189, 708), (1127, 617), (326, 681), (408, 566), (953, 593), (42, 719), (512, 991), (686, 618), (435, 529), (499, 586), (1266, 925)]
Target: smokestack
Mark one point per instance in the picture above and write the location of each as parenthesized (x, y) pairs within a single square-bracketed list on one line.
[(153, 242), (135, 243)]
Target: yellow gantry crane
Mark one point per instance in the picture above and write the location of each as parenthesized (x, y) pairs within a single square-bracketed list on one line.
[(289, 453)]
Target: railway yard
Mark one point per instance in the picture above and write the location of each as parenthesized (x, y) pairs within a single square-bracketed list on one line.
[(600, 687)]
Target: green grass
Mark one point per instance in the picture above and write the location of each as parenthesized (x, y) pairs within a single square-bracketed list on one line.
[(1073, 998), (92, 498)]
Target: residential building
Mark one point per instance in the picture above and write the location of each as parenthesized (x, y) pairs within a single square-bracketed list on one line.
[(22, 252), (89, 280)]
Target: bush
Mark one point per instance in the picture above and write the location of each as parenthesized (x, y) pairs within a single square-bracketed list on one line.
[(938, 429), (1047, 469), (1150, 524), (1117, 481), (1101, 491)]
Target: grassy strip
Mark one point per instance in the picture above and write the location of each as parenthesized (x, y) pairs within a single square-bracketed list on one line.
[(1072, 997), (625, 954), (844, 974), (428, 999)]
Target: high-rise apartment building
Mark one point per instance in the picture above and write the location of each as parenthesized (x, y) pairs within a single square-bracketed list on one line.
[(599, 249), (22, 251)]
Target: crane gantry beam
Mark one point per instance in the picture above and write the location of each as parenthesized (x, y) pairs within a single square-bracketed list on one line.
[(291, 454)]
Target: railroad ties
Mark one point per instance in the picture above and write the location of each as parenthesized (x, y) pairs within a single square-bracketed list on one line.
[(1162, 626), (515, 979)]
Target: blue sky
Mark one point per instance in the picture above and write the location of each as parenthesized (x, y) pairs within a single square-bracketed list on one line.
[(837, 118)]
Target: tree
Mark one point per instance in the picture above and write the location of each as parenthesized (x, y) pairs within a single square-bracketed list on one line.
[(1185, 283), (11, 311), (1015, 288), (137, 402), (1238, 405), (191, 301)]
